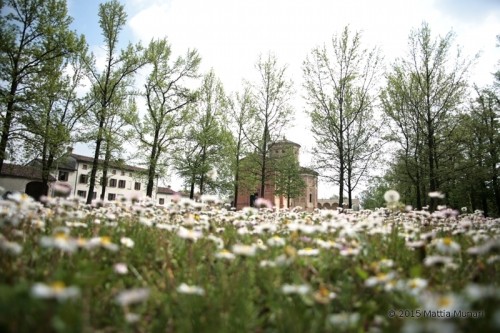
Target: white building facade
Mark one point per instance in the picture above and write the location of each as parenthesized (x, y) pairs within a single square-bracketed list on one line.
[(123, 181)]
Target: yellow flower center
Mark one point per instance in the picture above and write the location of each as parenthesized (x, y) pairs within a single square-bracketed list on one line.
[(57, 286), (105, 240), (290, 251), (61, 236), (324, 292), (81, 241), (447, 241), (444, 302)]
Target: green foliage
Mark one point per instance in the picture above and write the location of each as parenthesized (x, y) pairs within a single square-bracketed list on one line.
[(273, 113), (287, 175), (167, 100), (205, 150), (340, 85), (423, 98), (245, 293), (110, 87), (373, 196), (35, 39)]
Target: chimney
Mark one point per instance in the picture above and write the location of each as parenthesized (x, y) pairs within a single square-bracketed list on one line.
[(69, 150)]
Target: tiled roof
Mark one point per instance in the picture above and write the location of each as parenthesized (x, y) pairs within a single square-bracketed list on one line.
[(284, 142), (22, 171), (308, 171), (121, 166), (165, 190)]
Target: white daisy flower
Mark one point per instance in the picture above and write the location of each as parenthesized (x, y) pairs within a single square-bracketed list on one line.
[(120, 268), (132, 296), (300, 289), (308, 252), (127, 242), (56, 290), (225, 254), (244, 250), (447, 245), (391, 196), (191, 290), (193, 235)]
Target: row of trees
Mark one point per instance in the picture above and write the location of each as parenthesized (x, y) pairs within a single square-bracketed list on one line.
[(445, 136), (53, 93)]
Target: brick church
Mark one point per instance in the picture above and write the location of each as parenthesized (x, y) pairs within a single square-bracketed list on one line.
[(308, 200)]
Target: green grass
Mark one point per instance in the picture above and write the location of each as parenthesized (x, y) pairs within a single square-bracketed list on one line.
[(240, 295)]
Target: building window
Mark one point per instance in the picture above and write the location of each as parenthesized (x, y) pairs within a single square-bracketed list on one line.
[(130, 174), (121, 183), (101, 181), (123, 173), (162, 201), (111, 196), (310, 197), (82, 194), (137, 186), (94, 195), (63, 176), (113, 171), (112, 182), (83, 179), (84, 166)]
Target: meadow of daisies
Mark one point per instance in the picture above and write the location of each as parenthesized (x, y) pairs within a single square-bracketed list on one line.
[(201, 267)]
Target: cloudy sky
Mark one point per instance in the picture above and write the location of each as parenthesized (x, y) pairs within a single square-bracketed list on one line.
[(231, 34)]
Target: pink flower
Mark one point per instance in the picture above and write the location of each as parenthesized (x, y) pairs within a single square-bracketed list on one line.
[(61, 189), (261, 203)]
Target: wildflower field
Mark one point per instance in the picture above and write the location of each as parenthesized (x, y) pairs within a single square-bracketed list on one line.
[(200, 267)]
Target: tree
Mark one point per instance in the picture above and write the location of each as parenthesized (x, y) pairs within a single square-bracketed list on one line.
[(373, 196), (32, 32), (206, 145), (481, 141), (167, 98), (287, 176), (423, 96), (116, 132), (117, 73), (54, 109), (272, 110), (339, 84), (241, 112)]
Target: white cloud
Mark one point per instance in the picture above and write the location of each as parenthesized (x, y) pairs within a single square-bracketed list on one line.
[(230, 34)]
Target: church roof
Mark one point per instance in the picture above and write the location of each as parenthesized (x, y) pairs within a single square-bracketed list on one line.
[(23, 171), (308, 171), (283, 142)]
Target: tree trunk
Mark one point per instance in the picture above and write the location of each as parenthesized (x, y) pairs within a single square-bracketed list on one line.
[(46, 173), (95, 162), (105, 167), (472, 196), (7, 122), (349, 185), (341, 153), (236, 184), (191, 193), (484, 199), (153, 158), (202, 176), (496, 190), (264, 158)]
